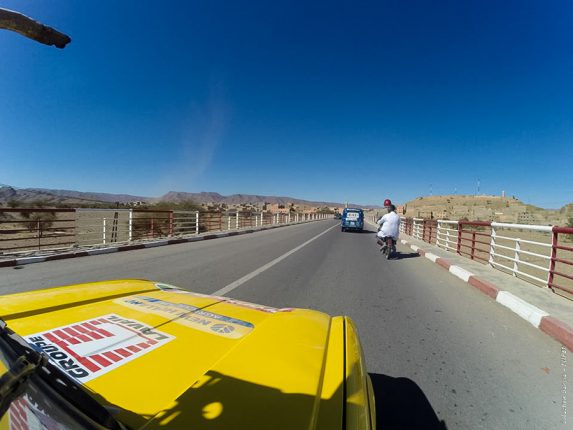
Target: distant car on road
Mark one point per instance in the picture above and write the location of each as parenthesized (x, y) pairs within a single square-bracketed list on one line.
[(352, 219), (134, 354)]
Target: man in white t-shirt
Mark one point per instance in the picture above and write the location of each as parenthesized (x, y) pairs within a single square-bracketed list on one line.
[(389, 226)]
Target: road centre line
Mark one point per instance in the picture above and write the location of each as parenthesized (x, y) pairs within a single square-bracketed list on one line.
[(270, 264)]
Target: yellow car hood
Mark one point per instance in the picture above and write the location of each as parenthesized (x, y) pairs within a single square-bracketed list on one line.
[(156, 356)]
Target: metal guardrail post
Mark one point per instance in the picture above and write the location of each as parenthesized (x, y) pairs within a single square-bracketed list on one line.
[(551, 274), (196, 222), (492, 246), (130, 226), (237, 220), (516, 257), (459, 244), (103, 230)]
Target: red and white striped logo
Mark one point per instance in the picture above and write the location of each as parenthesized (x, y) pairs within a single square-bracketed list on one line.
[(91, 348), (24, 415)]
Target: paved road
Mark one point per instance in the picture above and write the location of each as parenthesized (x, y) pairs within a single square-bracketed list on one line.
[(477, 364)]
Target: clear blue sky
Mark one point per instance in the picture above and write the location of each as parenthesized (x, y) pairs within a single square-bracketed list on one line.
[(329, 100)]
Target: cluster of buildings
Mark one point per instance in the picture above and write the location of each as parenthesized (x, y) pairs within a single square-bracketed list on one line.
[(270, 207)]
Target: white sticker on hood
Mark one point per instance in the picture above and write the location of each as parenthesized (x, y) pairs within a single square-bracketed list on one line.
[(88, 349)]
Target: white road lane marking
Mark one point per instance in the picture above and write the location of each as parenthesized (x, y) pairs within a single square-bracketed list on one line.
[(270, 264)]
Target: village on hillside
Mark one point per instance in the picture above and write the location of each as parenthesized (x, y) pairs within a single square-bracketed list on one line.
[(484, 208)]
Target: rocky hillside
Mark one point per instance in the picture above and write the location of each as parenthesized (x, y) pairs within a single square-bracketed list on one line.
[(30, 196), (484, 207), (206, 197), (34, 197)]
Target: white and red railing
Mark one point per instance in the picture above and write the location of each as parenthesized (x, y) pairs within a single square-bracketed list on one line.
[(38, 229), (542, 255), (447, 235), (521, 257), (559, 262)]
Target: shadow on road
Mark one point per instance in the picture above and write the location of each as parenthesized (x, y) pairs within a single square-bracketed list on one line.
[(402, 256), (401, 404), (360, 231)]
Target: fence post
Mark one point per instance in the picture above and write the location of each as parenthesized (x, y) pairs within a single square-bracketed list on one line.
[(516, 262), (196, 222), (473, 244), (237, 220), (39, 235), (130, 226), (170, 223), (492, 246), (433, 230), (554, 241), (459, 244), (450, 241), (103, 229)]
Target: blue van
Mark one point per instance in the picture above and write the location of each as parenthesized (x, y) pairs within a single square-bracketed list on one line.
[(352, 219)]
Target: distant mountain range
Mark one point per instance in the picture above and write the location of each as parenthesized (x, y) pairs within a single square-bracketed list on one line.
[(69, 197)]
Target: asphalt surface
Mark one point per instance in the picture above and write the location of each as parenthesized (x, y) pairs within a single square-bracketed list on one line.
[(427, 336)]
